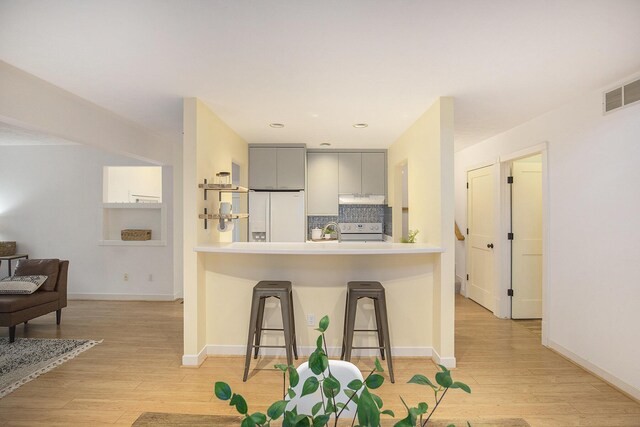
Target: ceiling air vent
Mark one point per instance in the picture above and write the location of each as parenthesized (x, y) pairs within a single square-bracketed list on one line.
[(622, 96), (632, 92), (613, 100)]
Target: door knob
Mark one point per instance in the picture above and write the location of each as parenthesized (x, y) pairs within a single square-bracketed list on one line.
[(490, 245)]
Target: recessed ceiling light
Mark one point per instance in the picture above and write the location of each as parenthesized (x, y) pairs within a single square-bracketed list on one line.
[(360, 125), (325, 144), (276, 125)]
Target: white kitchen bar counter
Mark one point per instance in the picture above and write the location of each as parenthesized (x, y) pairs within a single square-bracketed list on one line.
[(319, 272), (319, 248)]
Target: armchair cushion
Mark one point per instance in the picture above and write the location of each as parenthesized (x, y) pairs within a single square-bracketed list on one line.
[(13, 303), (36, 267), (21, 284)]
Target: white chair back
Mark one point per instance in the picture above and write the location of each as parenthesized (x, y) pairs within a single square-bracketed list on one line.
[(344, 372)]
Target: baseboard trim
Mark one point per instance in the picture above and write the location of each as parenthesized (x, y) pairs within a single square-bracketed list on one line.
[(614, 381), (192, 360), (240, 350), (122, 297), (448, 362)]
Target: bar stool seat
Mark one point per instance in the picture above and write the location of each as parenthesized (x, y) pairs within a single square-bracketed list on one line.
[(261, 291), (375, 291)]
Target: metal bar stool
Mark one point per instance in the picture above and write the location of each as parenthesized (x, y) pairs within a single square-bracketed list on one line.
[(375, 291), (263, 290)]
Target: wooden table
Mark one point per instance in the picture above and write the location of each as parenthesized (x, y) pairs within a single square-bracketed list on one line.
[(151, 419), (10, 258)]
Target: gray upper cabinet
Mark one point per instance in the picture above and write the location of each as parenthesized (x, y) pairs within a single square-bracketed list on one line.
[(262, 168), (275, 168), (290, 171), (373, 173), (322, 182), (350, 173)]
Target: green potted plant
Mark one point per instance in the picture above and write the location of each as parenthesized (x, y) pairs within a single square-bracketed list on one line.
[(327, 411), (411, 237)]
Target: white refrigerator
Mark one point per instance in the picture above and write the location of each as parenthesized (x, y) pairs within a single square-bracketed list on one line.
[(276, 216)]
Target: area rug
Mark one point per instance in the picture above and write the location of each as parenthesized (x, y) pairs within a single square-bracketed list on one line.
[(149, 419), (27, 358)]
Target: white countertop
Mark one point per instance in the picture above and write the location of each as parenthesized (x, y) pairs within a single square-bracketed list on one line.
[(319, 248)]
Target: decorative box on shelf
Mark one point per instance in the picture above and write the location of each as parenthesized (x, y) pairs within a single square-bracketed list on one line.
[(137, 235), (7, 248)]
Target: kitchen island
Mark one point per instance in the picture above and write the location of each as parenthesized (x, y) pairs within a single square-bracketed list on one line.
[(319, 273)]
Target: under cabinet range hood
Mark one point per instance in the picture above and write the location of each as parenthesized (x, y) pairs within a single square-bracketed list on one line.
[(361, 199)]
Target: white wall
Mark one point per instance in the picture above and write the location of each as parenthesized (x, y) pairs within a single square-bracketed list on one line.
[(50, 202), (594, 243)]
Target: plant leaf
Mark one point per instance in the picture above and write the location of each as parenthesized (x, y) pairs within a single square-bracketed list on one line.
[(331, 387), (318, 362), (374, 381), (330, 408), (247, 422), (422, 408), (378, 366), (281, 366), (222, 390), (259, 418), (239, 402), (355, 385), (324, 324), (276, 409), (422, 380), (368, 412), (294, 378), (443, 368), (291, 393), (310, 386), (332, 383), (320, 420), (377, 400), (461, 386), (388, 412), (316, 408), (319, 342), (351, 394), (302, 421), (406, 422), (444, 379)]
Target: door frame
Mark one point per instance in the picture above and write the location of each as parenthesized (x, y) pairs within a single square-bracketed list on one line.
[(496, 224), (503, 307)]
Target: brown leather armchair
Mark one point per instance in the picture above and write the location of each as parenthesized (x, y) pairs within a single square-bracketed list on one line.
[(51, 296)]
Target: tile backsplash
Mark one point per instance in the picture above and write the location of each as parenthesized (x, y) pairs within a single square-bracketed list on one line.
[(361, 213), (351, 213), (314, 221)]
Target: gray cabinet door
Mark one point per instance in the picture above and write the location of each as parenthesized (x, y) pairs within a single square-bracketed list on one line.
[(322, 184), (373, 173), (290, 171), (350, 173), (262, 168)]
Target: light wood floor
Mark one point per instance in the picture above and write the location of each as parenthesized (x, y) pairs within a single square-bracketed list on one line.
[(137, 369)]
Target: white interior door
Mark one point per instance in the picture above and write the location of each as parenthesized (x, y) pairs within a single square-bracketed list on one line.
[(480, 219), (526, 255)]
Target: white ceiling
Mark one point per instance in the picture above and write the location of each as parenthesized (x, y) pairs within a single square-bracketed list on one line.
[(320, 66)]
